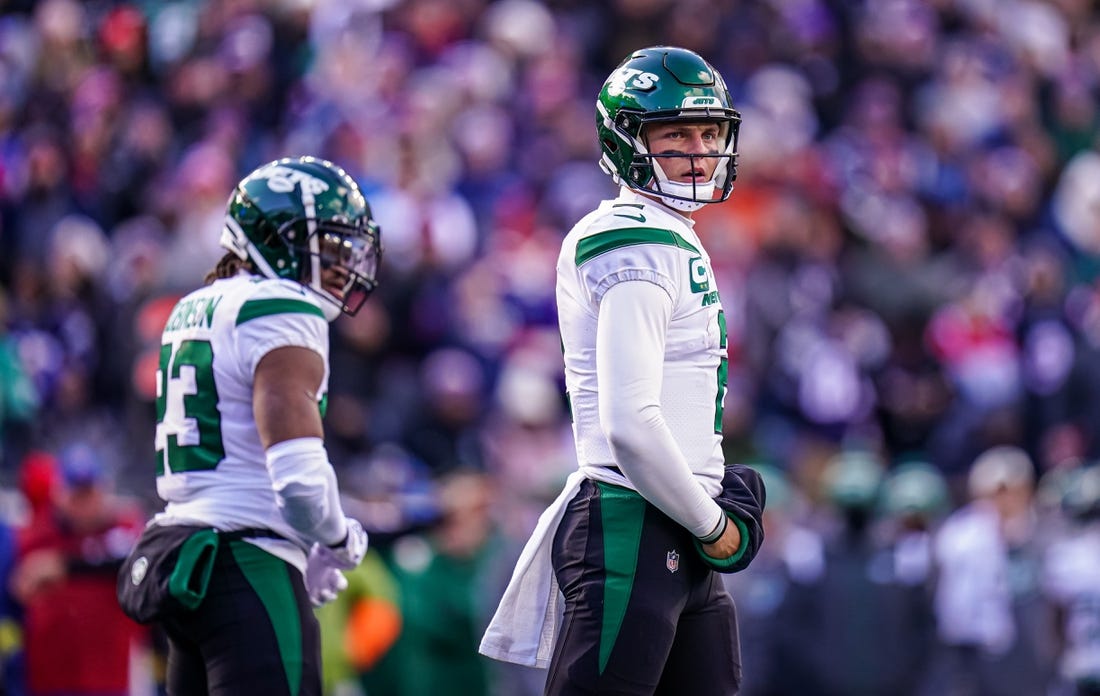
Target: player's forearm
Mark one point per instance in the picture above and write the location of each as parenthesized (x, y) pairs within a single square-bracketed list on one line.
[(306, 489), (647, 453), (630, 345)]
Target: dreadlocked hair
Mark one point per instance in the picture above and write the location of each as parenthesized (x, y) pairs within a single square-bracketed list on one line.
[(227, 267)]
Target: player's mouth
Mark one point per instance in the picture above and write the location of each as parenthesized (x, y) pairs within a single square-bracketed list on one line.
[(335, 281), (335, 290)]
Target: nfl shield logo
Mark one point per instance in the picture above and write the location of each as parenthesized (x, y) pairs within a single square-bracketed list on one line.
[(672, 561)]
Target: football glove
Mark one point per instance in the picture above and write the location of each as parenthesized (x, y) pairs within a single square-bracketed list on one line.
[(323, 580), (348, 553)]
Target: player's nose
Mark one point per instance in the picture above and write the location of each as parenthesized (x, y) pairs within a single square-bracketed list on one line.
[(696, 143)]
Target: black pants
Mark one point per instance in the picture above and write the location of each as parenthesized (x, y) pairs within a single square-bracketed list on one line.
[(254, 633), (643, 614)]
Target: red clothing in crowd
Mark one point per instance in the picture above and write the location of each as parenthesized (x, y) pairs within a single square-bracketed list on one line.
[(77, 640)]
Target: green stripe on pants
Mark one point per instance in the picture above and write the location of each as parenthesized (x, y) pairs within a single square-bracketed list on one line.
[(622, 512), (267, 575)]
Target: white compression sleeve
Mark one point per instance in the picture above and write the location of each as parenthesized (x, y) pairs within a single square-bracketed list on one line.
[(630, 345), (306, 490)]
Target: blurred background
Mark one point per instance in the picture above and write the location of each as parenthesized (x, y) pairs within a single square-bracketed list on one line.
[(909, 266)]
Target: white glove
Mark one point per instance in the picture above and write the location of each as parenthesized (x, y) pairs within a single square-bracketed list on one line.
[(350, 553), (323, 580)]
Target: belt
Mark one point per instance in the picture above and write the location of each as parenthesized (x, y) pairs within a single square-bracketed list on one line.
[(250, 533)]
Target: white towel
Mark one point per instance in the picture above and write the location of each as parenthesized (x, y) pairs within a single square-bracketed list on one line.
[(525, 625)]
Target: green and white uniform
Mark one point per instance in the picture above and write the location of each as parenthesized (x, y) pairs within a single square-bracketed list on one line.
[(609, 592), (300, 225), (676, 463), (210, 462)]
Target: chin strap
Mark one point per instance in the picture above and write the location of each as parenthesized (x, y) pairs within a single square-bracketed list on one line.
[(706, 191), (681, 195)]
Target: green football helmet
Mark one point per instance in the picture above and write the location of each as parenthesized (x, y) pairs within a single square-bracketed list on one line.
[(294, 218), (915, 488), (662, 84)]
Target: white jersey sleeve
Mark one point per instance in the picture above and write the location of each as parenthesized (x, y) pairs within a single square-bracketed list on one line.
[(278, 316)]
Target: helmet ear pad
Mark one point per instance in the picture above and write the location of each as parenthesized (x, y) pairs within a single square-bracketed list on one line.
[(269, 239), (622, 145), (640, 170)]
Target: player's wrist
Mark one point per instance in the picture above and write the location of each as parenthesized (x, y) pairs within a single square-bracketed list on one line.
[(716, 533), (349, 551), (343, 537)]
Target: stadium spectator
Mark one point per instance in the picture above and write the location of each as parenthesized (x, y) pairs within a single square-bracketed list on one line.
[(64, 579)]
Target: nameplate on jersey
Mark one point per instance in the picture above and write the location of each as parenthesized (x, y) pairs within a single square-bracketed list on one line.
[(198, 312)]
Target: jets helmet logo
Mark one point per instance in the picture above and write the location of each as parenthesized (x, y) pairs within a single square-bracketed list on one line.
[(699, 102), (631, 78), (283, 180)]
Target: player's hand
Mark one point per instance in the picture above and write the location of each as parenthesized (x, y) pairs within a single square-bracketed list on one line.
[(726, 545), (323, 580), (349, 554)]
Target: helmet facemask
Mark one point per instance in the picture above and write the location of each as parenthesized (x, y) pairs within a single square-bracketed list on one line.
[(694, 195), (337, 260)]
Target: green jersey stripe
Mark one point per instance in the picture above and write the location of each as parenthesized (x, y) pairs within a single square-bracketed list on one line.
[(254, 309), (591, 247)]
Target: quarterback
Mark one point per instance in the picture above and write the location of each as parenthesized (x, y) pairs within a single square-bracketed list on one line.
[(617, 591), (241, 392)]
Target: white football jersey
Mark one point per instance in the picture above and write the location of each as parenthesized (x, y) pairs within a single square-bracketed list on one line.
[(1072, 578), (633, 238), (211, 466)]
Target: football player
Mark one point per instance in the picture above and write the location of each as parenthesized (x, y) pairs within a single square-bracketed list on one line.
[(635, 538), (241, 390)]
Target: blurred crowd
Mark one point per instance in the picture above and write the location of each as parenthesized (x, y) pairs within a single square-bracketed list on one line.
[(909, 262)]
